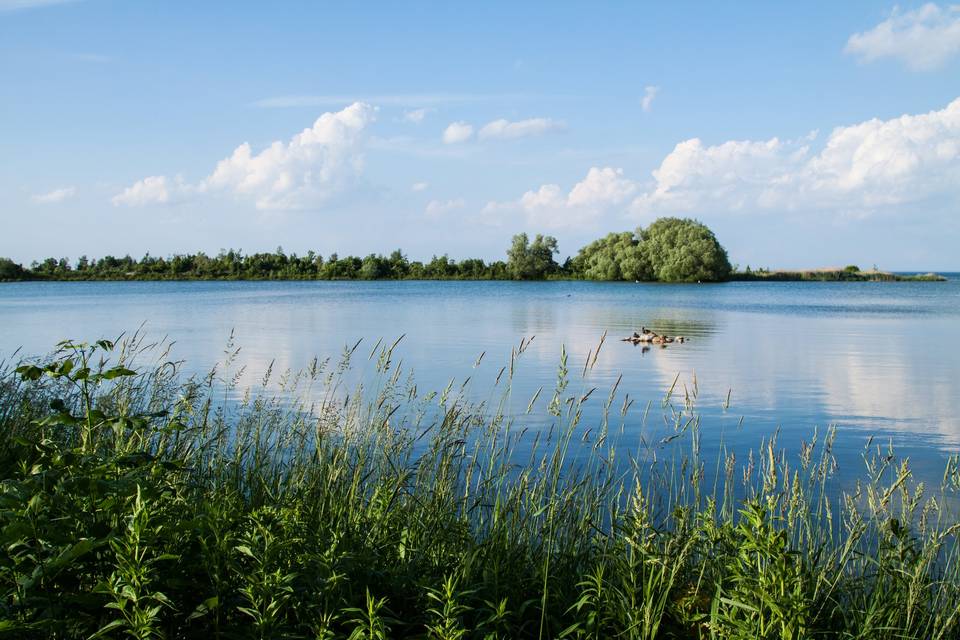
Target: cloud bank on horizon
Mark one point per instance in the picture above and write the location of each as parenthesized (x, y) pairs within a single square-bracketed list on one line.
[(860, 170)]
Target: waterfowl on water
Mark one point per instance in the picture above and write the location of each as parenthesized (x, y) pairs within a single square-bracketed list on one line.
[(647, 336)]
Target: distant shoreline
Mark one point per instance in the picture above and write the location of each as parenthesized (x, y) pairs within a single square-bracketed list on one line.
[(763, 276), (669, 250), (834, 275)]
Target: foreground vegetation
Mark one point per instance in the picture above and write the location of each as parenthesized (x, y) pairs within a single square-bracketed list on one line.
[(134, 503), (669, 250)]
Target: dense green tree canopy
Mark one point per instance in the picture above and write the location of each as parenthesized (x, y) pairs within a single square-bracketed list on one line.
[(615, 257), (669, 250), (10, 270), (532, 260), (683, 250)]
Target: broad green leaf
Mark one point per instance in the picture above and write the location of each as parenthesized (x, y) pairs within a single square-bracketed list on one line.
[(117, 372)]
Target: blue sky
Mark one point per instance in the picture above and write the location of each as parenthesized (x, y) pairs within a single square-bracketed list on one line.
[(812, 134)]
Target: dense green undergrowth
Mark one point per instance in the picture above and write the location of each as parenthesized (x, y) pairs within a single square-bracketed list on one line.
[(135, 503)]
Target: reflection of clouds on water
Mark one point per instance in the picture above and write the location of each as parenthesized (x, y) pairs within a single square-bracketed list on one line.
[(796, 354), (796, 373), (892, 392), (863, 374), (838, 370)]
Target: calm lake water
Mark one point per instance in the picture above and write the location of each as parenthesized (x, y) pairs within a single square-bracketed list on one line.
[(880, 359)]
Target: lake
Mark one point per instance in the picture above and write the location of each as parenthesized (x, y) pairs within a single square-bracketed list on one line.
[(873, 359)]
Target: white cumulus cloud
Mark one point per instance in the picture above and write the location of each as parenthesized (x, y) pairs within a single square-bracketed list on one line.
[(507, 130), (602, 190), (904, 165), (457, 132), (153, 190), (419, 186), (55, 196), (313, 165), (601, 187), (861, 169), (923, 38)]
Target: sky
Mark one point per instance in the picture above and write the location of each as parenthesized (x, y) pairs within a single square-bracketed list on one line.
[(804, 134)]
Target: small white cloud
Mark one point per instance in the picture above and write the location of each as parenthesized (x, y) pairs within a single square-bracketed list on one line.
[(313, 165), (601, 190), (649, 94), (457, 132), (153, 190), (923, 38), (55, 196), (506, 130), (416, 116), (419, 186), (440, 207)]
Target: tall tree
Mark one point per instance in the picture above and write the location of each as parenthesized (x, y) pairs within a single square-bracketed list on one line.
[(683, 250), (532, 261)]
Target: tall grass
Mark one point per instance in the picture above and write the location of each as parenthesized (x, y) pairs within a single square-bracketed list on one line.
[(137, 503)]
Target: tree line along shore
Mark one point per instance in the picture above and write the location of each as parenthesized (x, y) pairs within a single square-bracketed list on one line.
[(669, 250)]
